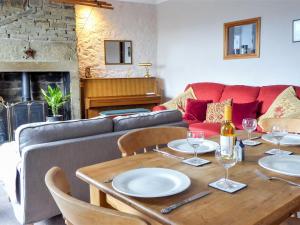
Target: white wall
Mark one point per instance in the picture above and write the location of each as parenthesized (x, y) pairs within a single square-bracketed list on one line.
[(190, 43), (128, 21)]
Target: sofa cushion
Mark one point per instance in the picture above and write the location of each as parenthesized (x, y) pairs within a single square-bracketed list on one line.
[(159, 108), (179, 102), (146, 120), (37, 133), (195, 110), (215, 111), (209, 129), (243, 111), (268, 94), (207, 91), (240, 93), (286, 105)]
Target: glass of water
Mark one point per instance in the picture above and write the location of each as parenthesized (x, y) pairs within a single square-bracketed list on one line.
[(195, 139), (278, 133)]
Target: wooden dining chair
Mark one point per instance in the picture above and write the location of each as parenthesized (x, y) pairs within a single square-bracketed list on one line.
[(134, 141), (77, 212), (290, 125)]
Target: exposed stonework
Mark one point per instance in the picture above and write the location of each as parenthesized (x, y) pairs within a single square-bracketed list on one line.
[(128, 21), (47, 28)]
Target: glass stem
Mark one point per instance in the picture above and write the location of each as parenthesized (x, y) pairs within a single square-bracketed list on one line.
[(249, 135), (278, 144), (196, 153), (226, 176)]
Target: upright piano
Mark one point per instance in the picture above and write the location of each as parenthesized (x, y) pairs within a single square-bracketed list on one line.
[(100, 94)]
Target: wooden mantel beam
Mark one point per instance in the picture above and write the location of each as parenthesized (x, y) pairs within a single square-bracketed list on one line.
[(93, 3)]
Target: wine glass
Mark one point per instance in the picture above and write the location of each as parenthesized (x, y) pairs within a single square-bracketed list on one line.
[(227, 157), (249, 125), (278, 133), (195, 139)]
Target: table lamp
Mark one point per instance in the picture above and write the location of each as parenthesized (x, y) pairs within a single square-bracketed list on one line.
[(147, 67)]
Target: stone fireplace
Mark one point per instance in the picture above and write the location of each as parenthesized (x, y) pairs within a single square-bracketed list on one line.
[(24, 102), (48, 31)]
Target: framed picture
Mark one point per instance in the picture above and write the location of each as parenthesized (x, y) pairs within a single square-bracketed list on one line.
[(242, 39), (296, 30)]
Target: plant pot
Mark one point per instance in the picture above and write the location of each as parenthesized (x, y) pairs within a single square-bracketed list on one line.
[(54, 118)]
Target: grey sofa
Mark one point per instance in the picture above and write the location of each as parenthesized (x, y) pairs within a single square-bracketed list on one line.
[(69, 145)]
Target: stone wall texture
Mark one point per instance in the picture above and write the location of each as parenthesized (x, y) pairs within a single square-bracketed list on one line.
[(46, 27), (128, 21), (50, 30)]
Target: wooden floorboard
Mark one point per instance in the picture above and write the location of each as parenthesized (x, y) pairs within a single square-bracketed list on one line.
[(7, 215)]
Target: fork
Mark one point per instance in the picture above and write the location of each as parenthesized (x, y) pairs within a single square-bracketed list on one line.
[(109, 180), (167, 154), (265, 177)]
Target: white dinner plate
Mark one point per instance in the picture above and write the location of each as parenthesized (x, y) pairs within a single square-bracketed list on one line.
[(151, 182), (183, 146), (288, 140), (283, 164)]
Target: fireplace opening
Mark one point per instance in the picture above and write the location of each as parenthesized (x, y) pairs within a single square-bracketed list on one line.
[(23, 99)]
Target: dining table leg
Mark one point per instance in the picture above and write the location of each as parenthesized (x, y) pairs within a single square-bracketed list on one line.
[(97, 197)]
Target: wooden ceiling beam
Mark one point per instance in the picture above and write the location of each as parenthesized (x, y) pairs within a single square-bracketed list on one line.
[(92, 3)]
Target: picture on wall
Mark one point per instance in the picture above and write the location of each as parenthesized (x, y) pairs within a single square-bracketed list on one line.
[(242, 39), (296, 30)]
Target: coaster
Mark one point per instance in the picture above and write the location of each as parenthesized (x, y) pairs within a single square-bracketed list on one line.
[(193, 162), (236, 186), (251, 143), (278, 152)]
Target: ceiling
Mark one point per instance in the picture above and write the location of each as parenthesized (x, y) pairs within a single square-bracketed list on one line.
[(145, 1)]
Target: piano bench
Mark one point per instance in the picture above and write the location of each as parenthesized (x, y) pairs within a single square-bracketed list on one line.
[(123, 112)]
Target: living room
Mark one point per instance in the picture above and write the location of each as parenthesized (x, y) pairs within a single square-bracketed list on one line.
[(174, 70)]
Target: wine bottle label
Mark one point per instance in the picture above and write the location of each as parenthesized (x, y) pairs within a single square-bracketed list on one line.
[(226, 143)]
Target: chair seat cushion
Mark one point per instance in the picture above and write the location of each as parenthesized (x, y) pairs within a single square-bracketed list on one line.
[(210, 129)]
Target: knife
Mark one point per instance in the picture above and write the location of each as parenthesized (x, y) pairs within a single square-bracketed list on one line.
[(254, 138), (186, 201)]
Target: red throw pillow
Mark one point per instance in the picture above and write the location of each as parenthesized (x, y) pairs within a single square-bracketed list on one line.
[(243, 111), (195, 109)]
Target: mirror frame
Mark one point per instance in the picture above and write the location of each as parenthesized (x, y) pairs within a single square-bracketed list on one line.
[(257, 21), (105, 60)]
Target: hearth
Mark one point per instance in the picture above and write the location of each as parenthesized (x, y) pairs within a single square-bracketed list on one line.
[(23, 101)]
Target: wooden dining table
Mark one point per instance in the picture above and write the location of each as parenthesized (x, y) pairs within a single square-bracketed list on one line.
[(263, 202)]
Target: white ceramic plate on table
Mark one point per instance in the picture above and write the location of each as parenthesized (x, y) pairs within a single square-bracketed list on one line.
[(151, 182), (183, 146), (288, 140), (284, 164)]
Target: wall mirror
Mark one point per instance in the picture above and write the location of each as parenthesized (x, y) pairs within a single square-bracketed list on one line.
[(118, 52), (242, 39)]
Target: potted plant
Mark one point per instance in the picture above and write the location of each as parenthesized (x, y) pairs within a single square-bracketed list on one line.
[(55, 100)]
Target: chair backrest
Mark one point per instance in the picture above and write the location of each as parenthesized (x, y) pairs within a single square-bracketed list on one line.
[(77, 212), (134, 141), (290, 125)]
